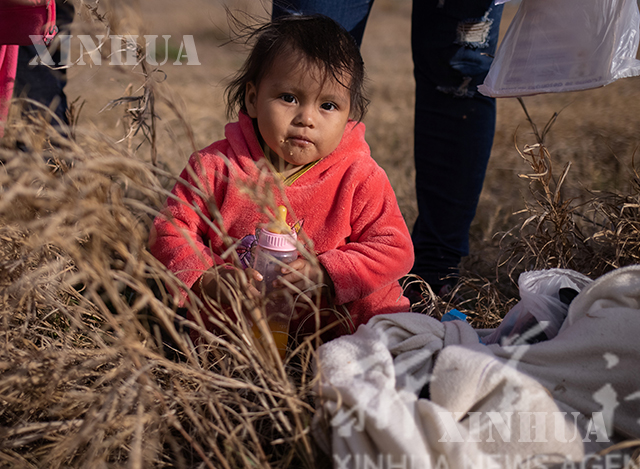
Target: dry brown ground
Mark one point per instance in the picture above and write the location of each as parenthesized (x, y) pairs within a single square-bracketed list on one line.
[(596, 129)]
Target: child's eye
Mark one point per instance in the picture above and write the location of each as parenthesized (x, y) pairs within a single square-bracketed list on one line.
[(328, 106), (288, 98)]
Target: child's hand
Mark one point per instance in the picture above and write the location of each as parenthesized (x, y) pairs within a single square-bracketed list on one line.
[(221, 283), (306, 276)]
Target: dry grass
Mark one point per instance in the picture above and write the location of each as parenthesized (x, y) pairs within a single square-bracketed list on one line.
[(592, 233), (97, 368)]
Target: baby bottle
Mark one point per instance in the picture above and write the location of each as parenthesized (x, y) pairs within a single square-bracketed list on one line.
[(276, 248)]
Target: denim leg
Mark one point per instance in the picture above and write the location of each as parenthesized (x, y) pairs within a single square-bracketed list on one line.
[(351, 14), (41, 83), (454, 126)]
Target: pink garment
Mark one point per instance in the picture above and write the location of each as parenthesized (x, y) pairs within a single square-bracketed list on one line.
[(20, 19), (8, 64), (349, 210)]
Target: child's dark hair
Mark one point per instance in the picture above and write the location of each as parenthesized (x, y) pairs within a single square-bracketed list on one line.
[(317, 37)]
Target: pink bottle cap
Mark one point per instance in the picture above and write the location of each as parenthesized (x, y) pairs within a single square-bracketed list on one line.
[(276, 241)]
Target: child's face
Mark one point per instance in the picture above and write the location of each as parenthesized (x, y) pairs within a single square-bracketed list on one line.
[(300, 116)]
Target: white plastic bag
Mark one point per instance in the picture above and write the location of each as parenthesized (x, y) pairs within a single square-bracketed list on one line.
[(565, 45), (540, 305)]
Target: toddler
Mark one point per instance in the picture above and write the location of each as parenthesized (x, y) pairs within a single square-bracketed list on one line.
[(298, 142)]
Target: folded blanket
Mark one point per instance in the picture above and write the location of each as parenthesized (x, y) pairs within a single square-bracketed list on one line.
[(490, 406)]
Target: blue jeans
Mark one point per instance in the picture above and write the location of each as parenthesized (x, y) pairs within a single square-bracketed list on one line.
[(452, 43)]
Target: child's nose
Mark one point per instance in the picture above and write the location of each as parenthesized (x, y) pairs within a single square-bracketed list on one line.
[(305, 116)]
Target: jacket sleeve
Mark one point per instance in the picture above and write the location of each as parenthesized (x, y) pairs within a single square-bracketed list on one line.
[(379, 250), (178, 237)]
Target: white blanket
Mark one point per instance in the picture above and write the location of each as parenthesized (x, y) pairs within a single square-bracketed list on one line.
[(489, 406)]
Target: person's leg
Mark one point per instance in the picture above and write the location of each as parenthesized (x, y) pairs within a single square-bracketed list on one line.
[(8, 64), (350, 14), (39, 82), (452, 43)]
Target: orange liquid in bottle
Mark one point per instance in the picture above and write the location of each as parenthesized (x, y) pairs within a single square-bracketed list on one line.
[(280, 332)]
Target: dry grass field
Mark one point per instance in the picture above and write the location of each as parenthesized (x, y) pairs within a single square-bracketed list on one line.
[(85, 380)]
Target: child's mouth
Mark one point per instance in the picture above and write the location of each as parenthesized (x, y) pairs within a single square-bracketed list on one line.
[(299, 141)]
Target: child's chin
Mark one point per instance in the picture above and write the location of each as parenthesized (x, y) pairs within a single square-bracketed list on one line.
[(301, 158)]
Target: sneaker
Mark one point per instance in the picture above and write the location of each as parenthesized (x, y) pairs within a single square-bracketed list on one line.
[(417, 291)]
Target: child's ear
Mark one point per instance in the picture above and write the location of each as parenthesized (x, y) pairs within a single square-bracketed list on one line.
[(250, 98)]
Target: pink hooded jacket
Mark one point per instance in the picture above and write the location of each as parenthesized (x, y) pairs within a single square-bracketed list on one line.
[(349, 210)]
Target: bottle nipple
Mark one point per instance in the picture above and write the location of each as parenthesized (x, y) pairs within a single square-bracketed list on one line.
[(279, 226)]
